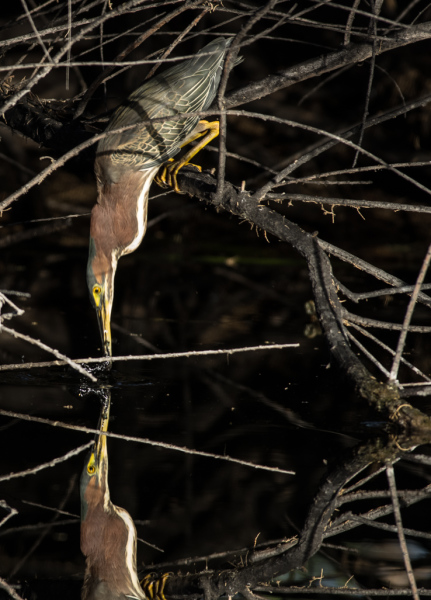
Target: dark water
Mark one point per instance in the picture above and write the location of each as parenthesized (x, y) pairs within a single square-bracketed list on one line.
[(287, 408), (253, 406), (203, 281)]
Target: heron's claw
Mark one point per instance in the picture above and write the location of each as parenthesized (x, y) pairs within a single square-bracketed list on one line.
[(167, 176), (154, 586)]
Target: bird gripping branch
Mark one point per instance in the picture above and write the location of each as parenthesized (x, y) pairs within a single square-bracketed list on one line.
[(128, 161)]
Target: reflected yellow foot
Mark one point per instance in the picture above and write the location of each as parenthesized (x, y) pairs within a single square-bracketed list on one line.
[(167, 175), (154, 586)]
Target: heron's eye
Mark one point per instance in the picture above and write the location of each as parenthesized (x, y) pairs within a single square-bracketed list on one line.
[(97, 290), (91, 467)]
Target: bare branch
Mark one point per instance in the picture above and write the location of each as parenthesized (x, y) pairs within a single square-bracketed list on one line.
[(128, 438)]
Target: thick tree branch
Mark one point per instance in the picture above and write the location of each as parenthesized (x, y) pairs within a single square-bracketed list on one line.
[(42, 121), (317, 527), (381, 396), (45, 122), (353, 54)]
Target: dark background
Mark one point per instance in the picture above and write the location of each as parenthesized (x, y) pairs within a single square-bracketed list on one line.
[(201, 280)]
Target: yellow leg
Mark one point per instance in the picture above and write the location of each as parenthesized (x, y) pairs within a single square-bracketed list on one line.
[(168, 173), (154, 588)]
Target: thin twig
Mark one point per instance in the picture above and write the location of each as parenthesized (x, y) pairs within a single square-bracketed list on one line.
[(32, 528), (408, 316), (231, 54), (368, 354), (50, 463), (375, 11), (399, 523), (9, 589), (146, 441), (332, 592), (45, 531), (102, 77), (177, 40), (367, 267), (357, 297), (12, 512), (359, 203), (69, 37), (33, 26), (366, 322), (260, 193), (62, 357), (349, 23), (227, 352), (387, 348), (93, 23)]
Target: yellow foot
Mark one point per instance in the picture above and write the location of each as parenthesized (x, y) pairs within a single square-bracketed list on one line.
[(154, 586), (167, 175)]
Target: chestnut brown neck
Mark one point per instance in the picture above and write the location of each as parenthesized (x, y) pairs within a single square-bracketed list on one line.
[(114, 219), (108, 540)]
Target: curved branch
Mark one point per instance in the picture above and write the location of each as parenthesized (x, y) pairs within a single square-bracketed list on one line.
[(380, 396), (317, 527), (353, 54), (42, 121)]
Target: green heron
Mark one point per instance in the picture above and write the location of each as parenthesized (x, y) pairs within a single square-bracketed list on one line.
[(127, 162), (108, 534)]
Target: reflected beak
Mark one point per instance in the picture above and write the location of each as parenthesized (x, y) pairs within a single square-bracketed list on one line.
[(104, 319), (104, 415), (101, 449), (101, 453)]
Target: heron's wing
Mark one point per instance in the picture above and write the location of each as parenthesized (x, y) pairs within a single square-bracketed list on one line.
[(188, 87)]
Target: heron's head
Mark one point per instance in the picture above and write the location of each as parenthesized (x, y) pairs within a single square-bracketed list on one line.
[(100, 280), (118, 224), (95, 498), (108, 534)]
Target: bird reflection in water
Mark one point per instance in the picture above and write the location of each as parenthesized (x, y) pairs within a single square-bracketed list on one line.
[(108, 534)]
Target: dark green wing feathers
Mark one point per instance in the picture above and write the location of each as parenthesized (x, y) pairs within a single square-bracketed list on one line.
[(188, 87)]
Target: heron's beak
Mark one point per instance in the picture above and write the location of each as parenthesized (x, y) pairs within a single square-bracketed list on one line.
[(100, 451), (103, 312)]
